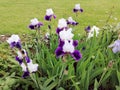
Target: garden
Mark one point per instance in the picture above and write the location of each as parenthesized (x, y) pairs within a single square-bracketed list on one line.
[(60, 45)]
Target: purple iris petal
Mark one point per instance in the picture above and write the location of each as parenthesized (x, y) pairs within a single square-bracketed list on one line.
[(81, 10), (25, 74), (75, 10), (18, 59), (74, 23), (68, 22), (75, 43), (76, 55), (58, 30), (31, 26), (61, 43), (59, 52), (18, 45), (54, 16), (87, 29), (48, 18), (115, 50), (15, 44), (27, 59), (40, 24)]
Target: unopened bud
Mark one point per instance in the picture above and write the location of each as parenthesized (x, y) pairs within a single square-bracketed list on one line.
[(93, 57), (110, 64), (105, 69)]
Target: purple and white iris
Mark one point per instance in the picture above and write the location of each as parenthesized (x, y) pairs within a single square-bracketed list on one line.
[(22, 56), (115, 46), (49, 14), (67, 45), (35, 24), (70, 21), (14, 41), (62, 24), (77, 8), (27, 65), (92, 30)]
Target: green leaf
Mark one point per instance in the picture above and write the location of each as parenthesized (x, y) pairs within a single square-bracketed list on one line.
[(75, 84), (52, 85), (60, 88), (118, 76), (117, 87), (96, 72), (96, 85), (68, 78), (48, 81)]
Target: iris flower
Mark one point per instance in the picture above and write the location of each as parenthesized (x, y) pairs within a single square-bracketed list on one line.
[(92, 30), (115, 46), (71, 21), (49, 14), (77, 8), (14, 41), (68, 47), (35, 24), (62, 24), (27, 65)]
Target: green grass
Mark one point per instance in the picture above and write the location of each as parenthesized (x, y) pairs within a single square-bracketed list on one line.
[(93, 71), (15, 15)]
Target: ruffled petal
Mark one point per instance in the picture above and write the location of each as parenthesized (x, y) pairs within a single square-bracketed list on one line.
[(40, 24), (32, 67), (76, 55), (58, 30), (32, 27), (48, 18), (81, 10), (18, 59), (61, 43), (115, 50), (27, 59), (74, 23), (59, 52), (25, 74), (18, 45), (13, 44), (75, 10)]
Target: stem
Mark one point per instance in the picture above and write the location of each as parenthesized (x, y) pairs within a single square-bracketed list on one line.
[(102, 76), (63, 69), (34, 80), (76, 14), (49, 27), (110, 15)]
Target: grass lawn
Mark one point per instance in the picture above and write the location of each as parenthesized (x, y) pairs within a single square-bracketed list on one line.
[(15, 15), (99, 67)]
